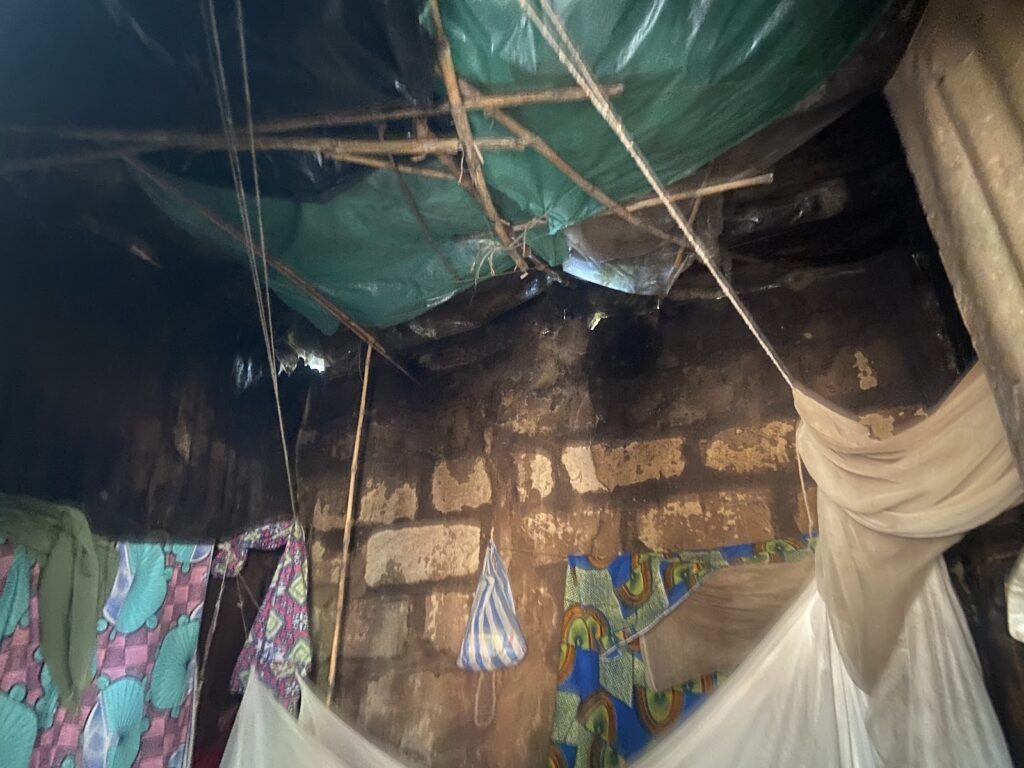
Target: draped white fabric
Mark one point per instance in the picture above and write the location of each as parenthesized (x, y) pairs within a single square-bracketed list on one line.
[(265, 735), (873, 666), (1015, 600), (888, 508), (355, 750), (792, 702)]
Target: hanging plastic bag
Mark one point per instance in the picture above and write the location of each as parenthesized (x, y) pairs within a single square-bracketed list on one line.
[(493, 638)]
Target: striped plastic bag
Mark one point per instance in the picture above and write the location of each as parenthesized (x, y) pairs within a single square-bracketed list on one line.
[(493, 638)]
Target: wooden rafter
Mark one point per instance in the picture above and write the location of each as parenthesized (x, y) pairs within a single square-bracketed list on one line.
[(340, 119), (86, 156), (541, 147), (705, 190), (400, 168), (138, 142), (470, 147), (491, 101)]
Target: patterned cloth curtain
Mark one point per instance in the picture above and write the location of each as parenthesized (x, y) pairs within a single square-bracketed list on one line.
[(604, 710), (278, 645), (138, 710)]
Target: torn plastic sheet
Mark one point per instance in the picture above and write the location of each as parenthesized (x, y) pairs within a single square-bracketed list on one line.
[(611, 252)]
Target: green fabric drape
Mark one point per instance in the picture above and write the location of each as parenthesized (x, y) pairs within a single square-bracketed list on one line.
[(77, 574)]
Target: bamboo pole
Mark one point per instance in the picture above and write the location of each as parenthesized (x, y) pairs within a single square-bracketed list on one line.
[(280, 267), (339, 119), (541, 147), (359, 151), (480, 102), (702, 191), (400, 168), (80, 157), (470, 147), (116, 153), (347, 536), (326, 145)]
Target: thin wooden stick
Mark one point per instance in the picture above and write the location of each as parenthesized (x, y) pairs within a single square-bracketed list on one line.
[(439, 146), (337, 119), (703, 191), (207, 140), (116, 153), (326, 146), (470, 147), (400, 168), (544, 149), (490, 101), (280, 267), (347, 536), (201, 678), (78, 157)]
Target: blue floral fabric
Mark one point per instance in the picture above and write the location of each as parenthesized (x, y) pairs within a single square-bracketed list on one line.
[(604, 711)]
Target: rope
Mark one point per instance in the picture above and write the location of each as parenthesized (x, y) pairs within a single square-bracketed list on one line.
[(347, 537), (241, 611), (209, 641), (268, 334), (262, 292), (570, 57), (227, 125), (248, 593)]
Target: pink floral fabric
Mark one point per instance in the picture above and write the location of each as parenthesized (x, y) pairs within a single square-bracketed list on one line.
[(230, 557), (138, 710), (278, 646)]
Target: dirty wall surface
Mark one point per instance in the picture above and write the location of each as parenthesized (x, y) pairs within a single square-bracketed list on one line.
[(659, 430)]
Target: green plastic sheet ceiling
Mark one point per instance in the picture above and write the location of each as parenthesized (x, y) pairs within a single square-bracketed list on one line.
[(365, 248), (699, 75)]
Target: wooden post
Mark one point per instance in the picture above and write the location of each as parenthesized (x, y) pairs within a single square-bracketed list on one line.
[(347, 536)]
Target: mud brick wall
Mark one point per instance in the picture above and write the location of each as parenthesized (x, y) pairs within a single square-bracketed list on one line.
[(655, 429)]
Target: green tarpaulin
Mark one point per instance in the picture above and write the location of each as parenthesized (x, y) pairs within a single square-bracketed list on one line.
[(365, 248), (699, 77)]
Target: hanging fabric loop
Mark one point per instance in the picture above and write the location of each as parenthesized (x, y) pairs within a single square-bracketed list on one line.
[(482, 723)]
